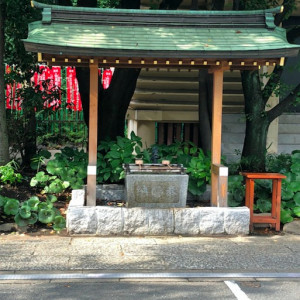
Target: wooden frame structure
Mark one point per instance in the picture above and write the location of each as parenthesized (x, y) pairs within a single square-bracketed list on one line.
[(213, 40)]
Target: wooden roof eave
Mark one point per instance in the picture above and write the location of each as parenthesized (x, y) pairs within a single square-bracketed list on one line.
[(239, 62)]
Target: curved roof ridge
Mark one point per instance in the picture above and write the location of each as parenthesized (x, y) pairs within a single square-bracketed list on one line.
[(153, 11)]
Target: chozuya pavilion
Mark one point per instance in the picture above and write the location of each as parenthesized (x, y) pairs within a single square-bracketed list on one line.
[(215, 40)]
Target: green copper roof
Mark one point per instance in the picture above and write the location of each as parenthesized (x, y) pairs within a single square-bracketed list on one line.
[(160, 34)]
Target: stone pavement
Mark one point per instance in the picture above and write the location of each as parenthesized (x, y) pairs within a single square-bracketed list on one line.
[(277, 253)]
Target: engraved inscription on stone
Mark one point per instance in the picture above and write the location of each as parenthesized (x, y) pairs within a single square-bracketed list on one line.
[(156, 192)]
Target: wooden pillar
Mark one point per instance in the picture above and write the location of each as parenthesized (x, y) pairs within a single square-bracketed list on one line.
[(93, 135), (216, 132)]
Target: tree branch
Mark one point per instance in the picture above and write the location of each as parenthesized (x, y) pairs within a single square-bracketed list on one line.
[(289, 5), (272, 83), (238, 5), (194, 5), (87, 3), (284, 104), (292, 34), (133, 4), (65, 2), (218, 5), (170, 4)]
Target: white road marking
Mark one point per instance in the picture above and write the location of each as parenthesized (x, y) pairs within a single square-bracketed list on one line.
[(236, 290)]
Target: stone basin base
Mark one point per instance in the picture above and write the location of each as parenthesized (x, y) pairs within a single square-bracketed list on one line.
[(120, 221)]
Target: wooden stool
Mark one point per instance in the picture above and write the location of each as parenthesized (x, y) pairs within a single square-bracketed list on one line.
[(274, 218)]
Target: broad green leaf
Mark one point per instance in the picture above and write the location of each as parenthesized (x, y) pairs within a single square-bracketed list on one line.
[(233, 201), (289, 177), (59, 223), (36, 198), (295, 168), (296, 157), (138, 150), (25, 211), (286, 194), (106, 176), (51, 198), (285, 216), (3, 200), (116, 163), (127, 160), (235, 178), (66, 184), (11, 207), (296, 211), (44, 153), (46, 216), (33, 182), (114, 154), (21, 221), (264, 205), (32, 219), (42, 205), (294, 186), (297, 198), (289, 204), (33, 203)]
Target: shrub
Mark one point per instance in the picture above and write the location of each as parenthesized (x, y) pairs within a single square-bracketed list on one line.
[(33, 211), (8, 174), (113, 154), (67, 169)]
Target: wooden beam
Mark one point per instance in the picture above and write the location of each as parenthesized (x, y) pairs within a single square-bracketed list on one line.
[(216, 131), (93, 135)]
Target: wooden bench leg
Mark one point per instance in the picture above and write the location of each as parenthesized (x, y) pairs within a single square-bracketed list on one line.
[(249, 199), (276, 202)]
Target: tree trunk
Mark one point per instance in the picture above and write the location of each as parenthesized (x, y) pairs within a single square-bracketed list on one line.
[(114, 101), (4, 148), (257, 123)]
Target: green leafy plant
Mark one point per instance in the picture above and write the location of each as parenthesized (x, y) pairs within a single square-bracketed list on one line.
[(32, 211), (48, 183), (290, 193), (199, 170), (289, 165), (113, 154), (39, 159), (236, 190), (176, 153), (67, 169), (69, 166), (8, 174), (191, 157)]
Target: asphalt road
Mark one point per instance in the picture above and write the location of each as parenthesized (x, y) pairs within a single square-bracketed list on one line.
[(266, 289)]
